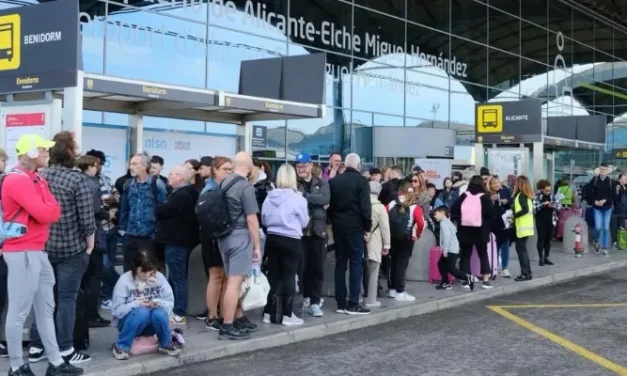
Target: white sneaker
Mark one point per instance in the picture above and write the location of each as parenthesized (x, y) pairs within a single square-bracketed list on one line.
[(506, 274), (392, 293), (605, 253), (404, 297), (266, 318), (306, 302), (292, 320), (373, 305)]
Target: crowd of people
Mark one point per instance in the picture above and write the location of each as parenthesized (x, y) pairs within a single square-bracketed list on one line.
[(64, 218)]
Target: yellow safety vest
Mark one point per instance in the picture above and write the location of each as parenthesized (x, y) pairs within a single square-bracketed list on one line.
[(568, 195), (524, 225)]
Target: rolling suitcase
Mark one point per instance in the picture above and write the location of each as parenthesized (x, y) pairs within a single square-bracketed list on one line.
[(434, 273), (493, 258)]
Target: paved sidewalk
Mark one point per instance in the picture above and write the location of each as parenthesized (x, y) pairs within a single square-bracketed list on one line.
[(203, 345)]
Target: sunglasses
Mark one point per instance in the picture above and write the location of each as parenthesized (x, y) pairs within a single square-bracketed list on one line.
[(415, 181)]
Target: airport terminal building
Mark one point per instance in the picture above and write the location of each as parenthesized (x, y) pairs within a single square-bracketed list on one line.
[(394, 68)]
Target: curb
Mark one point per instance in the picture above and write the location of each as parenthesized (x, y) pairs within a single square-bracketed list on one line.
[(198, 355)]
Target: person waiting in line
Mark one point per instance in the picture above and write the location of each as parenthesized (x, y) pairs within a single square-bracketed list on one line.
[(206, 174), (473, 212), (421, 193), (193, 166), (450, 252), (316, 192), (71, 242), (211, 257), (106, 231), (620, 207), (205, 168), (350, 214), (567, 193), (378, 243), (462, 185), (331, 171), (407, 221), (435, 201), (177, 231), (545, 207), (284, 214), (27, 201), (93, 278), (140, 197), (448, 195), (3, 265), (523, 220), (502, 201), (239, 249), (142, 303), (156, 168), (376, 175), (601, 192), (389, 189), (316, 170)]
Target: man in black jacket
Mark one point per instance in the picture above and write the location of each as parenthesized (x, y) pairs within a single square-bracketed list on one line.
[(350, 212), (389, 189), (314, 240), (601, 192), (177, 230)]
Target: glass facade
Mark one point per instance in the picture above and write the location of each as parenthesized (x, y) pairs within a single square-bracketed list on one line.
[(389, 63)]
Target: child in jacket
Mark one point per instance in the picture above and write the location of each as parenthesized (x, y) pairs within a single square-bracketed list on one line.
[(450, 252), (378, 243)]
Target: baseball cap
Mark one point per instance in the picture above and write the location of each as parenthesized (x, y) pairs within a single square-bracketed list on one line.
[(303, 158), (206, 161), (30, 142)]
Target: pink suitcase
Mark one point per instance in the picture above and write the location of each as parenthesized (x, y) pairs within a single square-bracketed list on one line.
[(434, 273), (493, 256)]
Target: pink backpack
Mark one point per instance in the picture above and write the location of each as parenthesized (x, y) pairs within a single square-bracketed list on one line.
[(145, 345), (471, 210)]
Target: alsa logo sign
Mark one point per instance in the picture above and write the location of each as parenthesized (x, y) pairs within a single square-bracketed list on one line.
[(154, 143)]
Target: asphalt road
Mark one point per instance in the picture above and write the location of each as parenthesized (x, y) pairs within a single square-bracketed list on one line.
[(468, 340)]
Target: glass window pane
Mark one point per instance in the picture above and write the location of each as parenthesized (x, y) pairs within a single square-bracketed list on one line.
[(470, 19), (534, 79), (504, 31), (275, 139), (430, 48), (534, 40), (504, 70), (463, 103), (319, 136), (387, 38), (603, 37), (427, 96), (391, 7), (388, 121), (379, 85), (92, 31), (560, 19), (473, 67), (620, 45), (535, 11), (327, 25), (432, 13), (583, 28)]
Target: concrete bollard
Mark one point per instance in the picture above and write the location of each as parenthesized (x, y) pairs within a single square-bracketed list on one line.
[(568, 243)]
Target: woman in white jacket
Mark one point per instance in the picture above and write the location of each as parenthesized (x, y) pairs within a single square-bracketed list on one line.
[(378, 240)]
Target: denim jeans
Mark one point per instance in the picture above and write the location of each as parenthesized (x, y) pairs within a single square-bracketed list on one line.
[(107, 244), (602, 224), (144, 322), (348, 247), (177, 258), (505, 254), (68, 274)]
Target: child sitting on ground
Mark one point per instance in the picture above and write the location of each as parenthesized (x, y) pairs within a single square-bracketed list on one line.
[(142, 304), (450, 251)]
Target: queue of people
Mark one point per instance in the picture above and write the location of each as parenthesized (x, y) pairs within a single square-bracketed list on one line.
[(72, 218)]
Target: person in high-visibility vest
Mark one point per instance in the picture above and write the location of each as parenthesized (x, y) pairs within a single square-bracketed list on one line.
[(524, 223), (567, 192)]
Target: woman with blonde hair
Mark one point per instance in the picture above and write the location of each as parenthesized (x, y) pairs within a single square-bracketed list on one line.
[(421, 193), (524, 223), (284, 214), (406, 225)]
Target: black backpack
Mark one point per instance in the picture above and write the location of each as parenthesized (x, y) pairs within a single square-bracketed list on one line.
[(213, 212), (399, 222)]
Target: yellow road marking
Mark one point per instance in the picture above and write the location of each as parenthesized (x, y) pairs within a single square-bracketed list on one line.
[(582, 305), (603, 362)]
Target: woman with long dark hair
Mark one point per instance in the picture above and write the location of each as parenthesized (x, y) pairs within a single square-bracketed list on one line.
[(473, 212), (193, 165), (502, 201), (448, 194), (524, 222)]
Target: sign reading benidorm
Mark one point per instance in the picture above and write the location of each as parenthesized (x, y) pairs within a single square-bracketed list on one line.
[(338, 37)]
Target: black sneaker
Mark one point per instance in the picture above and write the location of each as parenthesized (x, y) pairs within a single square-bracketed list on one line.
[(64, 369), (465, 285), (548, 262), (36, 354), (76, 357), (232, 333), (443, 286), (170, 349), (357, 309), (487, 285), (99, 322), (523, 278), (213, 324), (4, 353), (24, 370), (471, 282), (202, 316), (244, 325)]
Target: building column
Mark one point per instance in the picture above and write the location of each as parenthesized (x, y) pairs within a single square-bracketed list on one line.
[(538, 162), (73, 109), (338, 117), (135, 134), (479, 154), (245, 138)]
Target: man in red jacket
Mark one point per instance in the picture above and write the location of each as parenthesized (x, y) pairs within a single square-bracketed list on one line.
[(30, 206)]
